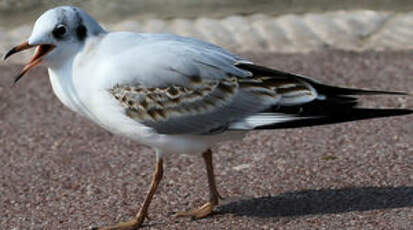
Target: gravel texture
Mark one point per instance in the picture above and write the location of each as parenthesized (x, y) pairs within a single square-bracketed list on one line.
[(60, 171)]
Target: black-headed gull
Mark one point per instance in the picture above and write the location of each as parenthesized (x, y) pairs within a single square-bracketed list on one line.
[(177, 94)]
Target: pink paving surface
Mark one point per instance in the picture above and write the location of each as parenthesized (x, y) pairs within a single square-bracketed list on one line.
[(60, 171)]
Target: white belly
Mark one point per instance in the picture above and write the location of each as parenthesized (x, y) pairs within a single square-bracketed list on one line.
[(111, 115)]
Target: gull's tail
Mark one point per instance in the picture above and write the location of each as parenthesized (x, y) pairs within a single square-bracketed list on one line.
[(333, 105)]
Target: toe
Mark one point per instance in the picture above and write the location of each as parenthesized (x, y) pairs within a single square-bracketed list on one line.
[(130, 225), (198, 213)]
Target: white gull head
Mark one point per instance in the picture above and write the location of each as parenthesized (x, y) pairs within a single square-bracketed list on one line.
[(58, 34)]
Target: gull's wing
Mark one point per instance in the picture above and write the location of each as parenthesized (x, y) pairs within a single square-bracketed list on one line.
[(180, 85), (208, 106)]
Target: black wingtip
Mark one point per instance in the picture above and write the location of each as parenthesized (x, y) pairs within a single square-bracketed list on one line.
[(324, 89), (334, 90), (391, 112), (354, 114)]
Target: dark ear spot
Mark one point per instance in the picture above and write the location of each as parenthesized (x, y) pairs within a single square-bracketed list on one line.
[(81, 32)]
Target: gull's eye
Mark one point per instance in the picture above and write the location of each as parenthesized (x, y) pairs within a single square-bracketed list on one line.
[(59, 31)]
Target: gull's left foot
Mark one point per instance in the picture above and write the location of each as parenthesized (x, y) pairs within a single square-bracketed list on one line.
[(129, 225), (208, 207), (197, 213)]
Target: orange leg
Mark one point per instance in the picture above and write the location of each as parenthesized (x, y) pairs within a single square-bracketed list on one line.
[(214, 196), (136, 222)]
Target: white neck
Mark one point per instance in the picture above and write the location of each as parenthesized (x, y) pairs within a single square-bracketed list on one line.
[(62, 83)]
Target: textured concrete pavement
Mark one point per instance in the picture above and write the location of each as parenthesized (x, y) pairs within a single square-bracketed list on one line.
[(60, 171)]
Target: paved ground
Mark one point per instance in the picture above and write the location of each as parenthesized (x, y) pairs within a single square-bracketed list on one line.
[(59, 171)]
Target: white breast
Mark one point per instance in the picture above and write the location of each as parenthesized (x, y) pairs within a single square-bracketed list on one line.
[(63, 86)]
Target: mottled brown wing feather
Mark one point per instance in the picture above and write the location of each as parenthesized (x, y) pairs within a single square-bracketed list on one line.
[(206, 105)]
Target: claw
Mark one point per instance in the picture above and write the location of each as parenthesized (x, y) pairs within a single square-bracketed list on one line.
[(198, 213), (147, 217)]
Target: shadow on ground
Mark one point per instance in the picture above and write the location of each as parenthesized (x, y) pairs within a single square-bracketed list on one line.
[(325, 201)]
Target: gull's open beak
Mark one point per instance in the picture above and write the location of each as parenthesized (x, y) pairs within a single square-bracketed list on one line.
[(36, 59)]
